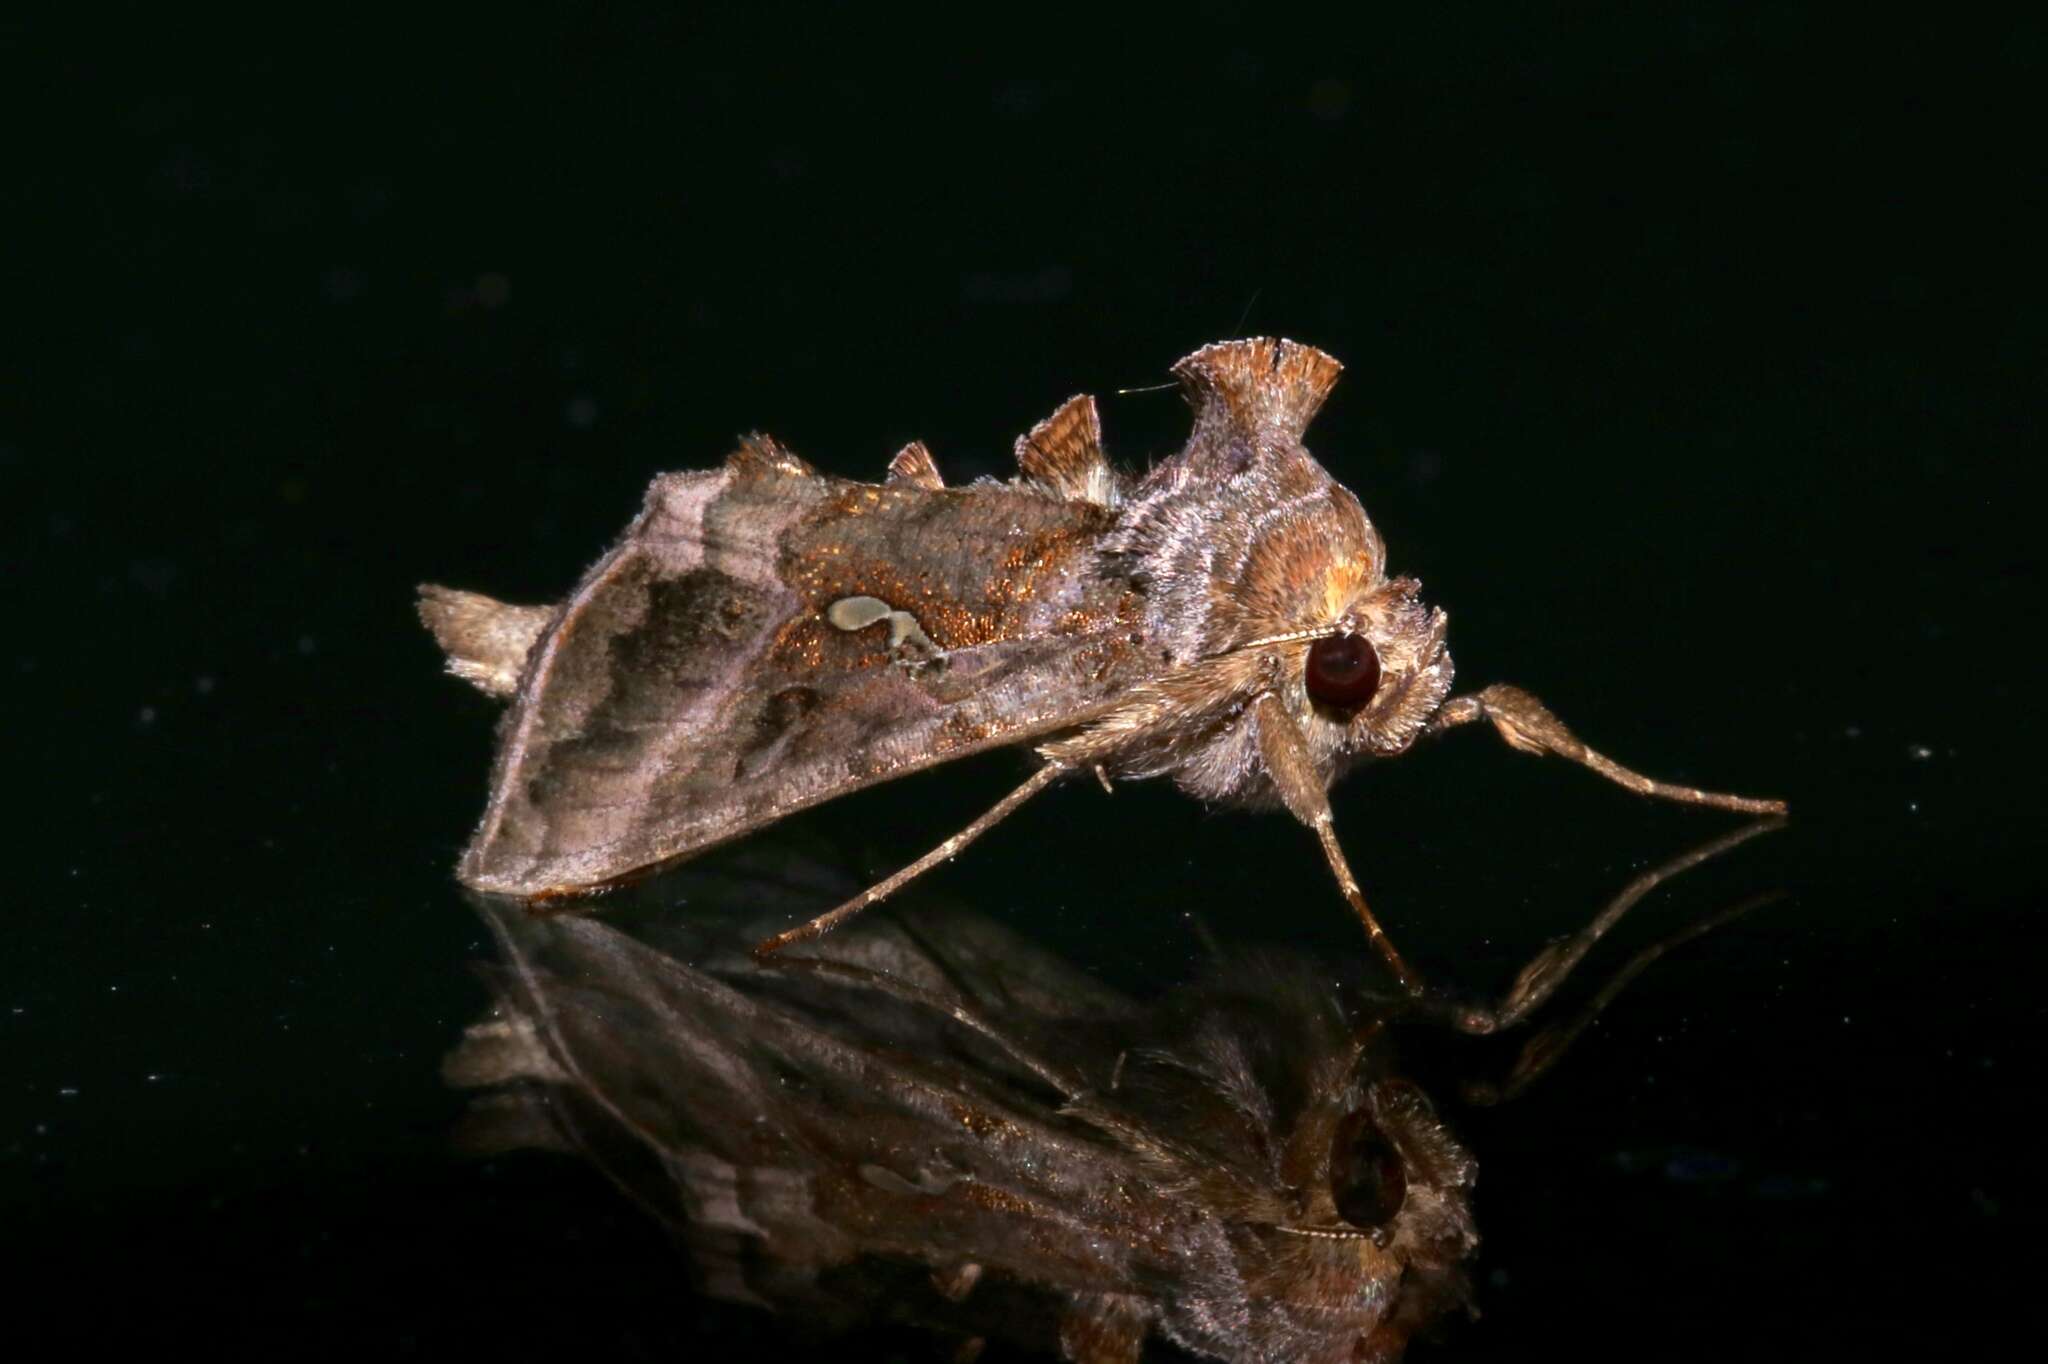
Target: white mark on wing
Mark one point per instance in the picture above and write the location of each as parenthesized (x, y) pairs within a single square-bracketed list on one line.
[(858, 613)]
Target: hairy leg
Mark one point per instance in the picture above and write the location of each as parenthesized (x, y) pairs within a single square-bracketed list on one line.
[(1528, 724), (946, 851), (1301, 790)]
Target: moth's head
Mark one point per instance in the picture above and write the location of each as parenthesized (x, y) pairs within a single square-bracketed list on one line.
[(1372, 681), (1356, 656), (1380, 1227), (1398, 1176)]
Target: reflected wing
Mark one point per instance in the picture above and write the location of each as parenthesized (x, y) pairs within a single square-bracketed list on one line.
[(893, 1102), (697, 685), (789, 1132)]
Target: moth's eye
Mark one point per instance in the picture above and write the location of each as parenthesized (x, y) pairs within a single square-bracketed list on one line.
[(1368, 1179), (1343, 671)]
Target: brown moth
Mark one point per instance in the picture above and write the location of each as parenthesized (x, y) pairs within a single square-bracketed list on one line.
[(933, 1120), (765, 637)]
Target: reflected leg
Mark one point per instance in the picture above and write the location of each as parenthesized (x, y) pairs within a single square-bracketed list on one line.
[(1543, 1050), (1547, 970)]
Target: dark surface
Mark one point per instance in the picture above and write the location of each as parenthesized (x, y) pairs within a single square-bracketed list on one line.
[(1689, 366)]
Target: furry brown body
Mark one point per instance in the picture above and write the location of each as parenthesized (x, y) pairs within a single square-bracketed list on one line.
[(764, 638)]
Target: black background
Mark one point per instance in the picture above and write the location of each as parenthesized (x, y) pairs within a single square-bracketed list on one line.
[(1689, 364)]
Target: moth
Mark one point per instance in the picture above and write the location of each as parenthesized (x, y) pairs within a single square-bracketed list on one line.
[(932, 1121), (764, 638)]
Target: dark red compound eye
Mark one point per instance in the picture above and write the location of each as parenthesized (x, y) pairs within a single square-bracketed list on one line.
[(1343, 671), (1368, 1178)]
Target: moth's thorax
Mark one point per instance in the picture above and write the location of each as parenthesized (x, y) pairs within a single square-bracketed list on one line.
[(1280, 549), (1279, 545), (1309, 562)]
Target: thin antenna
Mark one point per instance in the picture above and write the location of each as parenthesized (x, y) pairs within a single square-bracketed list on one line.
[(1336, 627), (1238, 330)]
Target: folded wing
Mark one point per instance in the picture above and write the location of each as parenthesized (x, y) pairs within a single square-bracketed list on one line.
[(699, 684)]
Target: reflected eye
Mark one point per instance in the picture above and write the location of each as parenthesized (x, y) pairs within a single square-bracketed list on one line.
[(1368, 1179), (1343, 671)]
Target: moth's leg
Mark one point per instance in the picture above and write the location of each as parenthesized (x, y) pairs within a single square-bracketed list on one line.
[(1547, 970), (1301, 790), (1543, 1051), (1527, 724), (961, 1011), (1070, 1084), (882, 890)]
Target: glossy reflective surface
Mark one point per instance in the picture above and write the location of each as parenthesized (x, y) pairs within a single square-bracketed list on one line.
[(1672, 372)]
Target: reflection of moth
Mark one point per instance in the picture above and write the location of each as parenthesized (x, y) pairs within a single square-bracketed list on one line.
[(764, 638), (933, 1121)]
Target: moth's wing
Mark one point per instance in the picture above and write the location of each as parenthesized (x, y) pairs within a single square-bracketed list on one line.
[(801, 1135), (486, 641), (693, 687), (607, 1050)]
